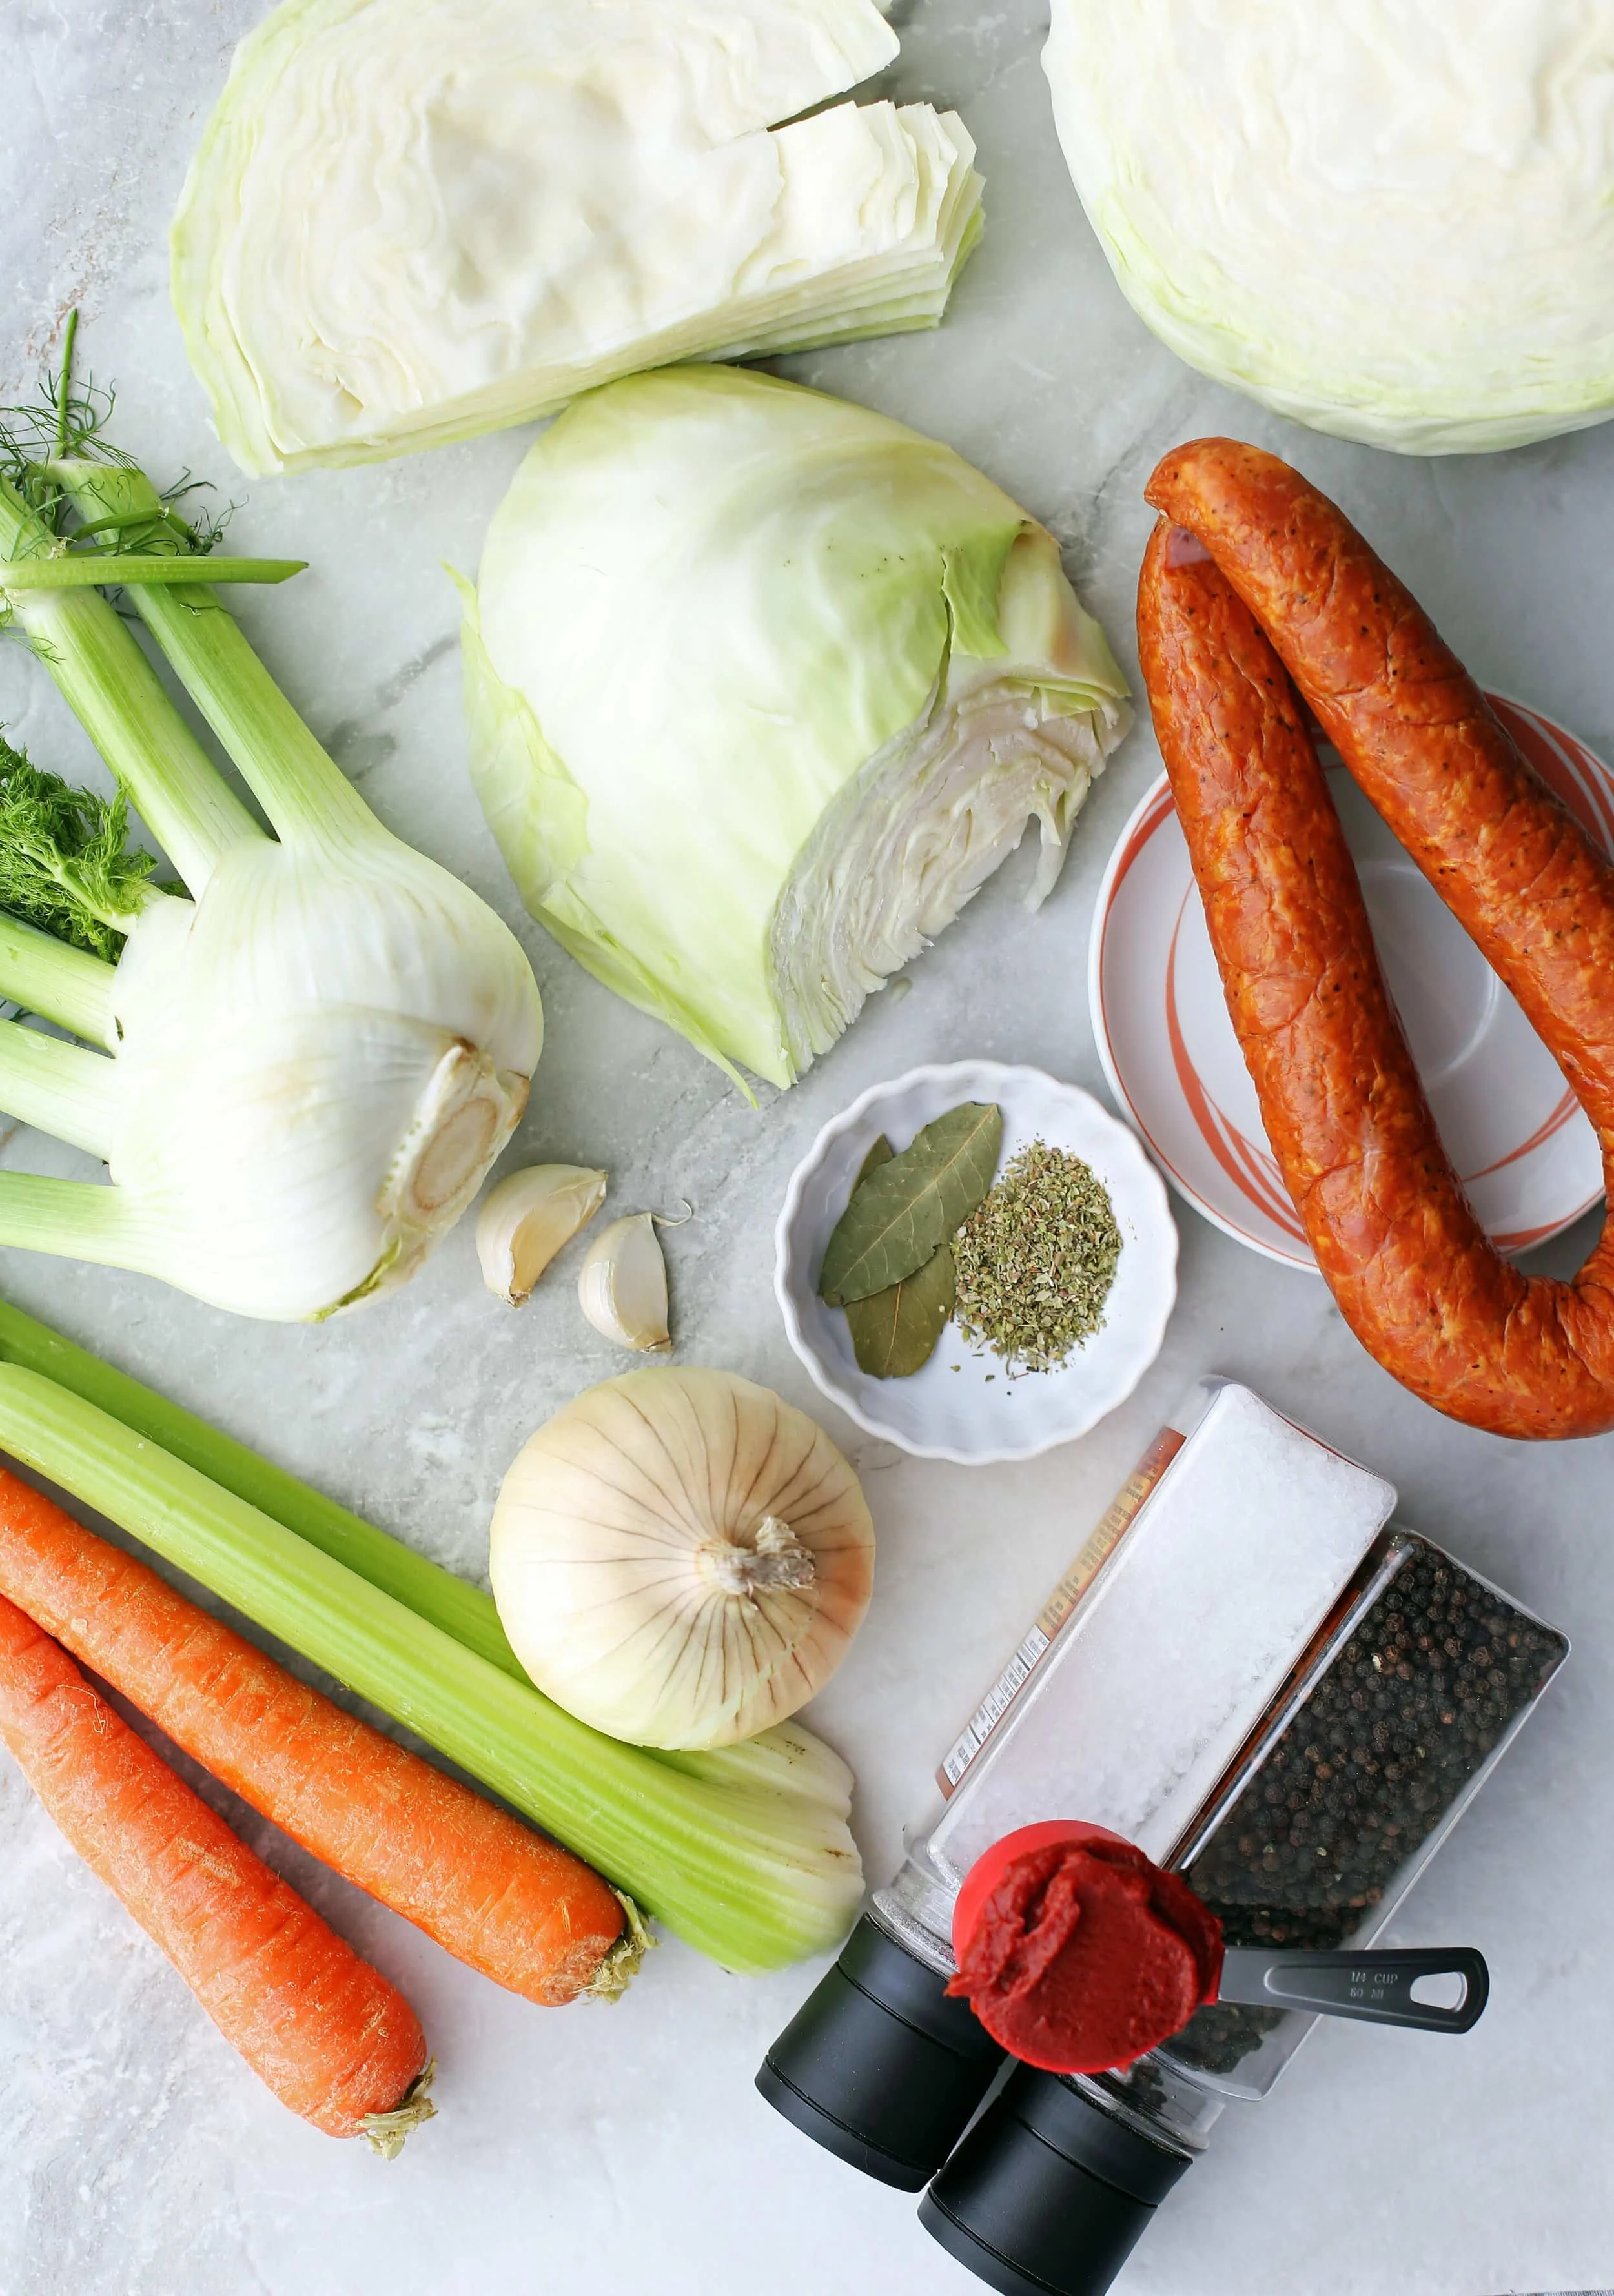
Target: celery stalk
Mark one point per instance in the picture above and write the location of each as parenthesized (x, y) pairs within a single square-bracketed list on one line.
[(736, 1873), (433, 1593)]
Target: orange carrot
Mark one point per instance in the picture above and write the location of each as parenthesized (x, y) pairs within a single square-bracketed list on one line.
[(328, 2033), (525, 1912)]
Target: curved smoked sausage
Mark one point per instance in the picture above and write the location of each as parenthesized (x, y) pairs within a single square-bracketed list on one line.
[(1253, 580)]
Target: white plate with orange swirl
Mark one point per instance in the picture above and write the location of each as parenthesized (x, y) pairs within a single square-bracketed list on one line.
[(1527, 1155)]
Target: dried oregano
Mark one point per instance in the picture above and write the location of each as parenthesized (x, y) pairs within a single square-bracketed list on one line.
[(1036, 1260)]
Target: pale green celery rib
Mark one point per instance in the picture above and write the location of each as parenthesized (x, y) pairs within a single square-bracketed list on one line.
[(115, 694), (106, 569), (787, 1759), (721, 1868), (66, 985), (74, 1219), (297, 781), (425, 1588), (57, 1088)]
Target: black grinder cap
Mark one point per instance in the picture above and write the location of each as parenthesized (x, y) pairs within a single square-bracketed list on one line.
[(878, 2065), (1049, 2194)]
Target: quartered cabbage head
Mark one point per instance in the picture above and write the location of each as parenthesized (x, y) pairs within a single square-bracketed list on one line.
[(761, 688), (412, 220), (1392, 220)]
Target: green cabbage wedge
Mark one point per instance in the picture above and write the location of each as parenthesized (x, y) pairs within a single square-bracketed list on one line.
[(761, 688), (410, 221)]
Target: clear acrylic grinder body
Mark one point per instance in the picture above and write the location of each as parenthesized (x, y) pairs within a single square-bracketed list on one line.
[(1248, 1674)]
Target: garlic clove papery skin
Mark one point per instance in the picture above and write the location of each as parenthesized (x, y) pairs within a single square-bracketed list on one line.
[(528, 1219), (681, 1558), (317, 1063), (622, 1285)]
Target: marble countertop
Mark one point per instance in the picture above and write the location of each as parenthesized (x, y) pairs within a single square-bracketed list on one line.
[(626, 2147)]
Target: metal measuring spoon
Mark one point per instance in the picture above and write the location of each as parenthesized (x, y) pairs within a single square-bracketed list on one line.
[(1375, 1987)]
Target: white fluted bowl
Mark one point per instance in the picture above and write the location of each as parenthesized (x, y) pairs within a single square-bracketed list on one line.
[(963, 1405)]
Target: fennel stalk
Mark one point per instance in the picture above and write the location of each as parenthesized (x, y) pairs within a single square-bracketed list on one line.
[(317, 1054)]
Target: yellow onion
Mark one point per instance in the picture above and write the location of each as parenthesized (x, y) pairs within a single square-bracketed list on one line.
[(681, 1558)]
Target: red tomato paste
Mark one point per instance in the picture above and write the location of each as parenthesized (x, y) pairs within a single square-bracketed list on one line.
[(1077, 1952)]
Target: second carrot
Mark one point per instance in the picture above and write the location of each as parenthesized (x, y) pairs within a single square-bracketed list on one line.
[(327, 2033)]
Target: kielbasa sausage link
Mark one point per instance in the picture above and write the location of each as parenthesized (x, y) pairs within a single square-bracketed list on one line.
[(1253, 579)]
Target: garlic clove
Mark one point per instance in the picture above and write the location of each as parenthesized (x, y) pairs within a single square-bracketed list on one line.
[(526, 1220), (622, 1285)]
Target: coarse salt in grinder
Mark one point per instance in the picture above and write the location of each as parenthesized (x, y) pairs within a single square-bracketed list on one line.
[(1239, 1634)]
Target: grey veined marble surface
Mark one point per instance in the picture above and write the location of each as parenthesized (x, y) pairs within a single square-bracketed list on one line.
[(625, 2148)]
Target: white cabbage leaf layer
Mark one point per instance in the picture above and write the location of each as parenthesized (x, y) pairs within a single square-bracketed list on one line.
[(761, 688), (410, 221), (1391, 219)]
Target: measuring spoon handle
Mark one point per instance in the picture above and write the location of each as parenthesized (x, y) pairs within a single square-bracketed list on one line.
[(1375, 1987)]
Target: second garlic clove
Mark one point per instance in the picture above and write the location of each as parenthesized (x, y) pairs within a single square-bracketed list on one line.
[(622, 1285), (527, 1220)]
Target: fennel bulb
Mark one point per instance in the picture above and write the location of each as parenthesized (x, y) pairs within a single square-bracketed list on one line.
[(1393, 221), (761, 688), (412, 220), (309, 1061)]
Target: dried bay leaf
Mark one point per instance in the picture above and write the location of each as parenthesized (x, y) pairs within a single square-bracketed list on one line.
[(895, 1332), (882, 1153), (900, 1211)]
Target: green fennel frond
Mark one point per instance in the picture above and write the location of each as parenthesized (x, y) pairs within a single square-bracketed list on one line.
[(65, 863), (66, 418), (67, 421)]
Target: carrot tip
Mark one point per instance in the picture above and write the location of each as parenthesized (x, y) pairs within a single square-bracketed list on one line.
[(620, 1965), (384, 2132)]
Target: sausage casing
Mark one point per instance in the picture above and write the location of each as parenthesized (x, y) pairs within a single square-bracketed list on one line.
[(1255, 584)]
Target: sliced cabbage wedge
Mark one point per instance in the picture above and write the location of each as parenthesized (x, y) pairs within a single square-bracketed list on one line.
[(761, 688), (410, 221)]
